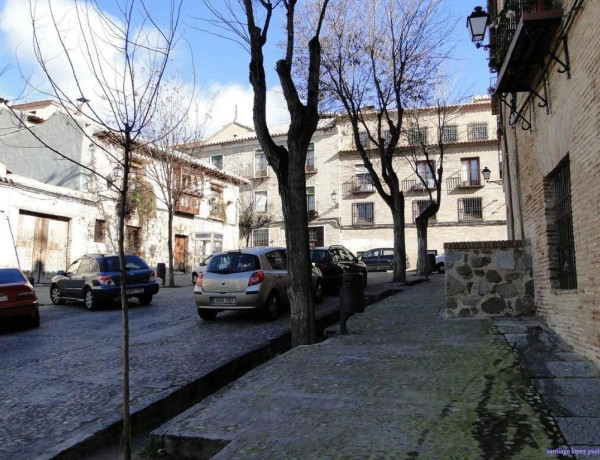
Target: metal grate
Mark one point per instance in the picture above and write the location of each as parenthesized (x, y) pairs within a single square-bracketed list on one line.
[(363, 214), (470, 209), (260, 237), (418, 207), (417, 136), (449, 133), (564, 228), (477, 131)]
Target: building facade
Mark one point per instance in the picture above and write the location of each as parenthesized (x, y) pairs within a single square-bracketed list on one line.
[(53, 211), (546, 98), (342, 204)]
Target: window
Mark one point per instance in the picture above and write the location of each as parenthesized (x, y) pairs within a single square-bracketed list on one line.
[(260, 201), (310, 159), (563, 217), (311, 204), (134, 242), (364, 139), (100, 231), (425, 169), (470, 172), (260, 164), (449, 133), (217, 208), (316, 236), (363, 214), (277, 260), (419, 206), (260, 237), (470, 209), (477, 131), (417, 136), (217, 161)]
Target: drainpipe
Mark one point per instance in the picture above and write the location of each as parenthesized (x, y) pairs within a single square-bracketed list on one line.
[(13, 238)]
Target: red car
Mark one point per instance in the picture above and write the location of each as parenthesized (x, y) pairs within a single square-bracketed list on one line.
[(17, 297)]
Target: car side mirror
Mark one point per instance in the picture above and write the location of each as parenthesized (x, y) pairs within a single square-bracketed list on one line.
[(31, 280), (61, 272)]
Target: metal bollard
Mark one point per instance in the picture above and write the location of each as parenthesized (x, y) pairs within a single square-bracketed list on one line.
[(352, 297), (161, 271)]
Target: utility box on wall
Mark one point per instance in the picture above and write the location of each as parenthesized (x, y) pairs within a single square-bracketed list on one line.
[(489, 278)]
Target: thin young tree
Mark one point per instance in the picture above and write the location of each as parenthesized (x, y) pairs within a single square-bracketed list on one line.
[(119, 64), (378, 58), (253, 214), (179, 180), (252, 26)]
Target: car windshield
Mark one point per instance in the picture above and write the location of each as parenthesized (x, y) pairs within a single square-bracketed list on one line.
[(318, 256), (132, 262), (233, 262), (10, 276)]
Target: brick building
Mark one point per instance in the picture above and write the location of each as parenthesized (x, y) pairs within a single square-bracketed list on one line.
[(343, 205), (547, 99)]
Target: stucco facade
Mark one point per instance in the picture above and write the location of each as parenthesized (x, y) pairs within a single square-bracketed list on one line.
[(558, 140), (334, 167)]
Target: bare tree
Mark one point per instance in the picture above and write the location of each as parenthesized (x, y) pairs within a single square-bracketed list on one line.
[(288, 163), (180, 182), (120, 62), (253, 214), (378, 58)]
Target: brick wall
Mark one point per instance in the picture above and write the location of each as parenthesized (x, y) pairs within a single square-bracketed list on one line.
[(571, 128)]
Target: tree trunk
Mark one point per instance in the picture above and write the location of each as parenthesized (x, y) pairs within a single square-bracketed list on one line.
[(422, 225), (300, 290), (170, 246), (399, 242)]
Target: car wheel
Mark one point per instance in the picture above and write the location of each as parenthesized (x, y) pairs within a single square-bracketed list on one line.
[(35, 321), (272, 308), (207, 315), (440, 268), (55, 295), (145, 299), (319, 292), (194, 277), (89, 301)]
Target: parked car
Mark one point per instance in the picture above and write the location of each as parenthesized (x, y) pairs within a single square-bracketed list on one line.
[(96, 279), (17, 296), (200, 268), (380, 259), (333, 261), (247, 279), (440, 261)]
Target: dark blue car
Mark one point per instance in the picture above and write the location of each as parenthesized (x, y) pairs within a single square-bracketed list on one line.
[(96, 279)]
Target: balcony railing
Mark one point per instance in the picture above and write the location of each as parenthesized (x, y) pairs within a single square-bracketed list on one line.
[(460, 179), (310, 168), (520, 37), (357, 186), (188, 205), (414, 183), (312, 210)]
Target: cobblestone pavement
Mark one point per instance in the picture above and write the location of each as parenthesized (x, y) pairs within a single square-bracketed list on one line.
[(405, 383), (62, 383)]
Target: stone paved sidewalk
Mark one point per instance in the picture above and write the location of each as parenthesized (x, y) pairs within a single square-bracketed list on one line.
[(405, 383)]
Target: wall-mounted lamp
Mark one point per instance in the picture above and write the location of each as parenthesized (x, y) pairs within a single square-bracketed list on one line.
[(334, 198), (486, 173), (477, 23), (117, 173)]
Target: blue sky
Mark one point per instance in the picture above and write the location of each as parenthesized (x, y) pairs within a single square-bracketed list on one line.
[(220, 66)]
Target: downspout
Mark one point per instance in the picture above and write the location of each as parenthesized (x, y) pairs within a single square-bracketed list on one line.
[(511, 216)]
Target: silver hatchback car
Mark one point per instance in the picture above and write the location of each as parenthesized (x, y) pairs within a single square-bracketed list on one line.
[(248, 279)]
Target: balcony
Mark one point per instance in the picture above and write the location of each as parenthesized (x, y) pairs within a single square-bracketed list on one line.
[(414, 184), (255, 173), (521, 42), (357, 186), (460, 180), (312, 211), (188, 205), (310, 168)]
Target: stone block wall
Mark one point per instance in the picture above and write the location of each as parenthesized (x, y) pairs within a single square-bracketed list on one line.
[(489, 278)]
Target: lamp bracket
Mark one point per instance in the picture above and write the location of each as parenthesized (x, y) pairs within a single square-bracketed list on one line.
[(516, 115)]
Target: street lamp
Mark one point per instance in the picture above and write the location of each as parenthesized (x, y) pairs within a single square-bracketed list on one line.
[(486, 173), (477, 23), (334, 198)]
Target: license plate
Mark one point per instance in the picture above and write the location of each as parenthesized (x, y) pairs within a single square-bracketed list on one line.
[(3, 298), (135, 291), (222, 300)]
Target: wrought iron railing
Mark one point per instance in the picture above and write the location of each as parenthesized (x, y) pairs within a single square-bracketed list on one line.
[(357, 185)]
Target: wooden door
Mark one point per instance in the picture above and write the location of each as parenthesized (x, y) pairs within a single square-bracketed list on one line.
[(179, 255)]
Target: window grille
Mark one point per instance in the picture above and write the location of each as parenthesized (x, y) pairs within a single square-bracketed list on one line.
[(316, 236), (419, 206), (449, 133), (564, 228), (477, 131), (99, 231), (260, 237), (470, 209), (417, 136), (363, 214)]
